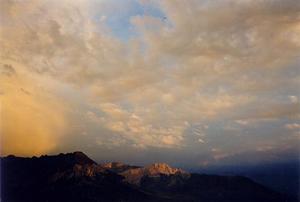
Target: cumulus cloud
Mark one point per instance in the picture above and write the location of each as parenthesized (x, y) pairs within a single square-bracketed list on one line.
[(294, 99), (292, 126)]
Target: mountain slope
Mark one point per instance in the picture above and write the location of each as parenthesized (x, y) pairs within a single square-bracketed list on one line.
[(75, 177), (135, 175), (65, 177)]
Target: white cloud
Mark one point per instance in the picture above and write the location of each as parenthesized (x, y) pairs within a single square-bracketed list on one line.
[(200, 140), (292, 126), (293, 98), (242, 122)]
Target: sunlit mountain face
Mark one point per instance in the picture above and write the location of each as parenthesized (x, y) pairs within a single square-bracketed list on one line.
[(204, 85)]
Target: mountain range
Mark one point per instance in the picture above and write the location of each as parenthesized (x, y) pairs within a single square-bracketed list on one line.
[(75, 177)]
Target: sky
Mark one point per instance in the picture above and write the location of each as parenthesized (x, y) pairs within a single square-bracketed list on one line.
[(192, 83)]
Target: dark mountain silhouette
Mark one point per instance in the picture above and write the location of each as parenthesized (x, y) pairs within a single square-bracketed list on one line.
[(75, 177)]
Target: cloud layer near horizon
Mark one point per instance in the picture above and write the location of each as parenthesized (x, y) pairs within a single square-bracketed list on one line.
[(214, 80)]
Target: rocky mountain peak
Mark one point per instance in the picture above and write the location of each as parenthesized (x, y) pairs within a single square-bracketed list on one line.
[(134, 175), (162, 168), (79, 154)]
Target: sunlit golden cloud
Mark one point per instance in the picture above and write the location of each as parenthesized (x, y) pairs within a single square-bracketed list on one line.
[(67, 69), (32, 120)]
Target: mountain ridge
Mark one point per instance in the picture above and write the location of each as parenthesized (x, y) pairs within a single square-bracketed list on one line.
[(76, 177), (135, 175)]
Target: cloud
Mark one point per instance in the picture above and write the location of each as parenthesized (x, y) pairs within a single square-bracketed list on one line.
[(200, 140), (203, 62), (242, 122), (134, 129), (7, 70), (31, 123), (292, 126), (294, 99)]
